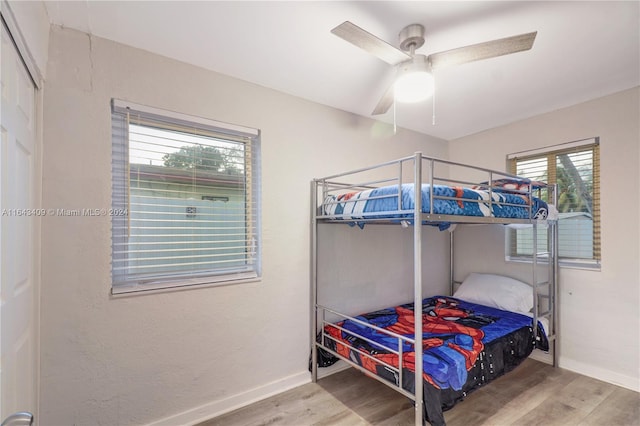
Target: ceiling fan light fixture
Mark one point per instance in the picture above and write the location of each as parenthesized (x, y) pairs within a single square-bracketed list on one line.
[(413, 87), (414, 82)]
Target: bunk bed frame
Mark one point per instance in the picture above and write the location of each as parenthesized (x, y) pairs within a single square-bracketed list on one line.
[(425, 170)]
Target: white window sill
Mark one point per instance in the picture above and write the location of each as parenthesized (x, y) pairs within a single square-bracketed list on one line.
[(181, 285), (586, 265)]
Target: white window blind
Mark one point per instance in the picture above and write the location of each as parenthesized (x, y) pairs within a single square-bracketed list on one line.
[(185, 200), (575, 169)]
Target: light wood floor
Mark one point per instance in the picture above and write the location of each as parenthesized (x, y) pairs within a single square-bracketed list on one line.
[(533, 394)]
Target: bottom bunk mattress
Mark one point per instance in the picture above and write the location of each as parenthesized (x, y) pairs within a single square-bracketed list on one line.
[(465, 345)]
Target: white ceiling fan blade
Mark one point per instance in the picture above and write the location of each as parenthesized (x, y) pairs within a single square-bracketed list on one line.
[(486, 50), (370, 43), (385, 102)]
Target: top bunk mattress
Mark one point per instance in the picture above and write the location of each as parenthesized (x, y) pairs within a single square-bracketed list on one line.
[(382, 203)]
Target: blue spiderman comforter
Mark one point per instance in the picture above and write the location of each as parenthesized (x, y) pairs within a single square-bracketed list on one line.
[(383, 203), (464, 346)]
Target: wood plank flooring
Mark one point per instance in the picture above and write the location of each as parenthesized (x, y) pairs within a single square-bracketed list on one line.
[(533, 394)]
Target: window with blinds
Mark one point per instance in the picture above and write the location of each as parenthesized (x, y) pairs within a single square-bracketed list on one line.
[(574, 167), (185, 200)]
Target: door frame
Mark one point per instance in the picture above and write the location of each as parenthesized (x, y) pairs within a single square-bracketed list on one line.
[(9, 21)]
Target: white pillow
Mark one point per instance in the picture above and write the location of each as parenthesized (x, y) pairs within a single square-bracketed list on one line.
[(496, 291)]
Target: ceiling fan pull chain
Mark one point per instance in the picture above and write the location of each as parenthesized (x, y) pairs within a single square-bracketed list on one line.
[(395, 129), (433, 99)]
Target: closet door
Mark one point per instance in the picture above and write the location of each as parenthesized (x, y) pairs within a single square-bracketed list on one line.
[(19, 242)]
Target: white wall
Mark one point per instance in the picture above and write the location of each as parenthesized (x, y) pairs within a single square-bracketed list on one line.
[(352, 280), (183, 355), (599, 310)]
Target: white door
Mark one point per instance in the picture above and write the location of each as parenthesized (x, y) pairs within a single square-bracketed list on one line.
[(19, 225)]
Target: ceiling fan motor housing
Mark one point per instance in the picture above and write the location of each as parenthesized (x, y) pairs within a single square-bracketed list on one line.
[(419, 63), (411, 37)]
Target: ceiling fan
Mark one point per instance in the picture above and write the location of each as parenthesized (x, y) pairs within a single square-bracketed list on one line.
[(414, 80)]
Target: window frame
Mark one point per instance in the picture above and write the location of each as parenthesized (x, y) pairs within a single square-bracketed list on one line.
[(125, 282), (553, 151)]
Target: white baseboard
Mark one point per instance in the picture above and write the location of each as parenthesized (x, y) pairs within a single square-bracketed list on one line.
[(600, 374), (605, 375), (217, 408)]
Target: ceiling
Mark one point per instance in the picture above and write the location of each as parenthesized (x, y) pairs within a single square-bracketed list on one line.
[(583, 50)]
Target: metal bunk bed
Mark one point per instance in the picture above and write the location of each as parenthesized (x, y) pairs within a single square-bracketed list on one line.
[(420, 176)]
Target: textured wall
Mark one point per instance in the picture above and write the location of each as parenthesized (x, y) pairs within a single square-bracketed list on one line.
[(141, 359)]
